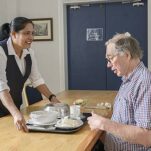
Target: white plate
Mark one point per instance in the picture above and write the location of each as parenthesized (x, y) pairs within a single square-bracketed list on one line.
[(31, 122), (60, 124)]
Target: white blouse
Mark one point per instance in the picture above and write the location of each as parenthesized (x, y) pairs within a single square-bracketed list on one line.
[(34, 76)]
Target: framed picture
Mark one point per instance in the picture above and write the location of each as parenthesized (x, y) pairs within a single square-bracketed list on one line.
[(43, 29)]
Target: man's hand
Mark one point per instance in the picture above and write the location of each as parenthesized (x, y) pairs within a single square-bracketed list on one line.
[(96, 122)]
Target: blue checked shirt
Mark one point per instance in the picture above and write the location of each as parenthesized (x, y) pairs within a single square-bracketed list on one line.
[(132, 106)]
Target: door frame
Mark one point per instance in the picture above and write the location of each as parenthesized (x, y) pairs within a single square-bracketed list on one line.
[(62, 11)]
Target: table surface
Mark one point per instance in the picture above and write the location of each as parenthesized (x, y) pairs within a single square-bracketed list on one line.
[(82, 140)]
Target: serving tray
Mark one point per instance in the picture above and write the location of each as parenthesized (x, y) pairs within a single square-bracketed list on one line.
[(53, 129)]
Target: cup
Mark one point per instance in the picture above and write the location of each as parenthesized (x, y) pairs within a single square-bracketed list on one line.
[(75, 111)]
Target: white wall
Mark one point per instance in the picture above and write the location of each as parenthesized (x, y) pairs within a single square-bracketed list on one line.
[(50, 54), (47, 52), (5, 15), (2, 11)]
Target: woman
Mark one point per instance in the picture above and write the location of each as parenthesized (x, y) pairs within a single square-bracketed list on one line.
[(17, 65)]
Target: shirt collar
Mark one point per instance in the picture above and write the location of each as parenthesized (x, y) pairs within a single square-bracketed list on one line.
[(11, 50), (132, 74)]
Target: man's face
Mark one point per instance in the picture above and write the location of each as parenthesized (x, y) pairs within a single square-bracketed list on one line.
[(117, 61)]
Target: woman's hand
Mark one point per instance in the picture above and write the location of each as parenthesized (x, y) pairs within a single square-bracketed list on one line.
[(20, 122), (54, 100), (8, 102)]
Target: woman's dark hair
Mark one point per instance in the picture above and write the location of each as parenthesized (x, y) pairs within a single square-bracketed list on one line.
[(16, 25), (4, 31)]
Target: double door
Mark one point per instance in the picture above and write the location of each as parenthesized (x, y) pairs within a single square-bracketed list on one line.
[(89, 27)]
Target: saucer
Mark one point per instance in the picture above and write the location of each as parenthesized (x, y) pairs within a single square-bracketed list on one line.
[(31, 122)]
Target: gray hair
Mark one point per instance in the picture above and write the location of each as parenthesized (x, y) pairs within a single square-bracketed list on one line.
[(125, 42)]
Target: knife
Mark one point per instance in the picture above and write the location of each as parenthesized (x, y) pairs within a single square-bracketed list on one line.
[(95, 107)]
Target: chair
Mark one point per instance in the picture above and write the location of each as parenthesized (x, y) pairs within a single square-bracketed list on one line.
[(31, 95)]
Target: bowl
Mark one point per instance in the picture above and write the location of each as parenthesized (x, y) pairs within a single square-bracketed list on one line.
[(43, 117)]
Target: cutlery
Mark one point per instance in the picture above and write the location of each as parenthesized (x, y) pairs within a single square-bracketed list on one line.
[(95, 107)]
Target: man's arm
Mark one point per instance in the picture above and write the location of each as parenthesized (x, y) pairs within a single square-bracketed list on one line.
[(129, 133)]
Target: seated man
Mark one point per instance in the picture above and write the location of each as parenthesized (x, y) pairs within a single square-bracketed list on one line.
[(129, 127)]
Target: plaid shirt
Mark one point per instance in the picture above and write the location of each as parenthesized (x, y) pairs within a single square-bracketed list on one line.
[(132, 107)]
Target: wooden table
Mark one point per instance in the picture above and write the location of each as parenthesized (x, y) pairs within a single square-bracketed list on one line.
[(83, 140)]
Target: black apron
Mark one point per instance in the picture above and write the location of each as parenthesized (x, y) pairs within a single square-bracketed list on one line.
[(15, 78)]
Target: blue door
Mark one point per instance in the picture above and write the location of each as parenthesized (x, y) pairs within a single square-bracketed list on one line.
[(126, 18), (86, 63), (86, 54)]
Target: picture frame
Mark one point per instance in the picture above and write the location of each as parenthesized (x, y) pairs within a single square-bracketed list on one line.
[(43, 29)]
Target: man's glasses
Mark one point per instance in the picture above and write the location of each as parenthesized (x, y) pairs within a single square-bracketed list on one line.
[(109, 59)]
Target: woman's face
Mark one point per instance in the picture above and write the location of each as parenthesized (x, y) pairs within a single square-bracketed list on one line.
[(24, 37), (119, 63)]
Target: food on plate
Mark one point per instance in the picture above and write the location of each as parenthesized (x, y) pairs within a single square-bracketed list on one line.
[(105, 105), (108, 105), (80, 102), (67, 122)]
